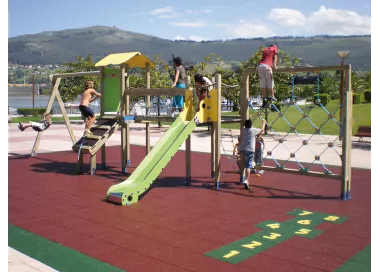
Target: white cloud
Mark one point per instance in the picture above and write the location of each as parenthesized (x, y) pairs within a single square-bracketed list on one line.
[(324, 21), (207, 11), (287, 17), (196, 38), (170, 15), (162, 10), (339, 22), (188, 11), (248, 30), (189, 24)]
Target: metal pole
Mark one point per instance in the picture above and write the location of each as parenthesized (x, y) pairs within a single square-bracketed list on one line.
[(33, 90)]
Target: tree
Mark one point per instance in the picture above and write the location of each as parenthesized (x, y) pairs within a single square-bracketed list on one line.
[(71, 88)]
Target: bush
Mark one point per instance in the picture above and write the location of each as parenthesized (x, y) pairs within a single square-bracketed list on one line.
[(31, 111), (367, 95), (356, 98), (278, 106), (324, 99)]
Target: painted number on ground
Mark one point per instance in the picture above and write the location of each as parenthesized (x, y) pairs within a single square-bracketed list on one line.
[(274, 226), (231, 254), (303, 231), (272, 236), (305, 213), (331, 218), (304, 222), (252, 245)]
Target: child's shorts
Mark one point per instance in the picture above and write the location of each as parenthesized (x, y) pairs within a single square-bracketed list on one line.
[(258, 158), (37, 126), (248, 158)]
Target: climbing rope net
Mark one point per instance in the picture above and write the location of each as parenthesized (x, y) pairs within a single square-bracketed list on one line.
[(306, 150)]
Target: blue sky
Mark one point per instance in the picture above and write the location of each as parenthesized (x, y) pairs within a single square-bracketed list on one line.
[(195, 20)]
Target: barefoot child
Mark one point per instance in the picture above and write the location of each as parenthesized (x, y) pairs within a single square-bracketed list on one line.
[(44, 124), (88, 96), (247, 147)]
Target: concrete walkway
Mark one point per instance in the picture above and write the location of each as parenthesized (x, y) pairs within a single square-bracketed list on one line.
[(57, 138)]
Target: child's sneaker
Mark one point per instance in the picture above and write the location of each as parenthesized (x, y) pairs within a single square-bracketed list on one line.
[(21, 127), (253, 171), (246, 184)]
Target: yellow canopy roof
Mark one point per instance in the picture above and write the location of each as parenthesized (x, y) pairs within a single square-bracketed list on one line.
[(133, 59)]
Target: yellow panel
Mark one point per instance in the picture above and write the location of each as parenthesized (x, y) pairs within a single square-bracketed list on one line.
[(188, 110), (133, 59), (208, 108), (213, 110)]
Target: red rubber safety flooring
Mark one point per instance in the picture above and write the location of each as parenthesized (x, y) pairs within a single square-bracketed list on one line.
[(173, 226)]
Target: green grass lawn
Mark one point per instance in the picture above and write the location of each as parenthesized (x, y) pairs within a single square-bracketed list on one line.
[(38, 118), (361, 115)]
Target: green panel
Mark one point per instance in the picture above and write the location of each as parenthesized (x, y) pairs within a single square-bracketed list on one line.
[(55, 255), (252, 244), (363, 256), (306, 221), (275, 226), (360, 262), (352, 266), (273, 236), (112, 90), (230, 254), (332, 218)]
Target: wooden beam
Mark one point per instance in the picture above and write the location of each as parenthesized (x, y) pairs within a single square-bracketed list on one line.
[(154, 91), (66, 118), (212, 150), (147, 125), (102, 90), (315, 69), (80, 164), (218, 128), (80, 74), (127, 112), (347, 137), (55, 84), (140, 118), (92, 164), (123, 112), (244, 113), (188, 143)]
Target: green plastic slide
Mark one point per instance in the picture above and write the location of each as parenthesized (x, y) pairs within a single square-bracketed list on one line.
[(142, 178)]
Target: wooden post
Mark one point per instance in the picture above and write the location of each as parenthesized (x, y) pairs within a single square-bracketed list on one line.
[(347, 137), (102, 103), (127, 126), (188, 142), (218, 130), (93, 164), (244, 113), (147, 124), (67, 120), (122, 114), (55, 84), (80, 164), (212, 150)]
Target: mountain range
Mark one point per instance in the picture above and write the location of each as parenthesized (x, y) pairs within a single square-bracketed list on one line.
[(56, 47)]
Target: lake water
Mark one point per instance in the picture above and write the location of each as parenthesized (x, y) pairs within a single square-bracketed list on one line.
[(26, 101)]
